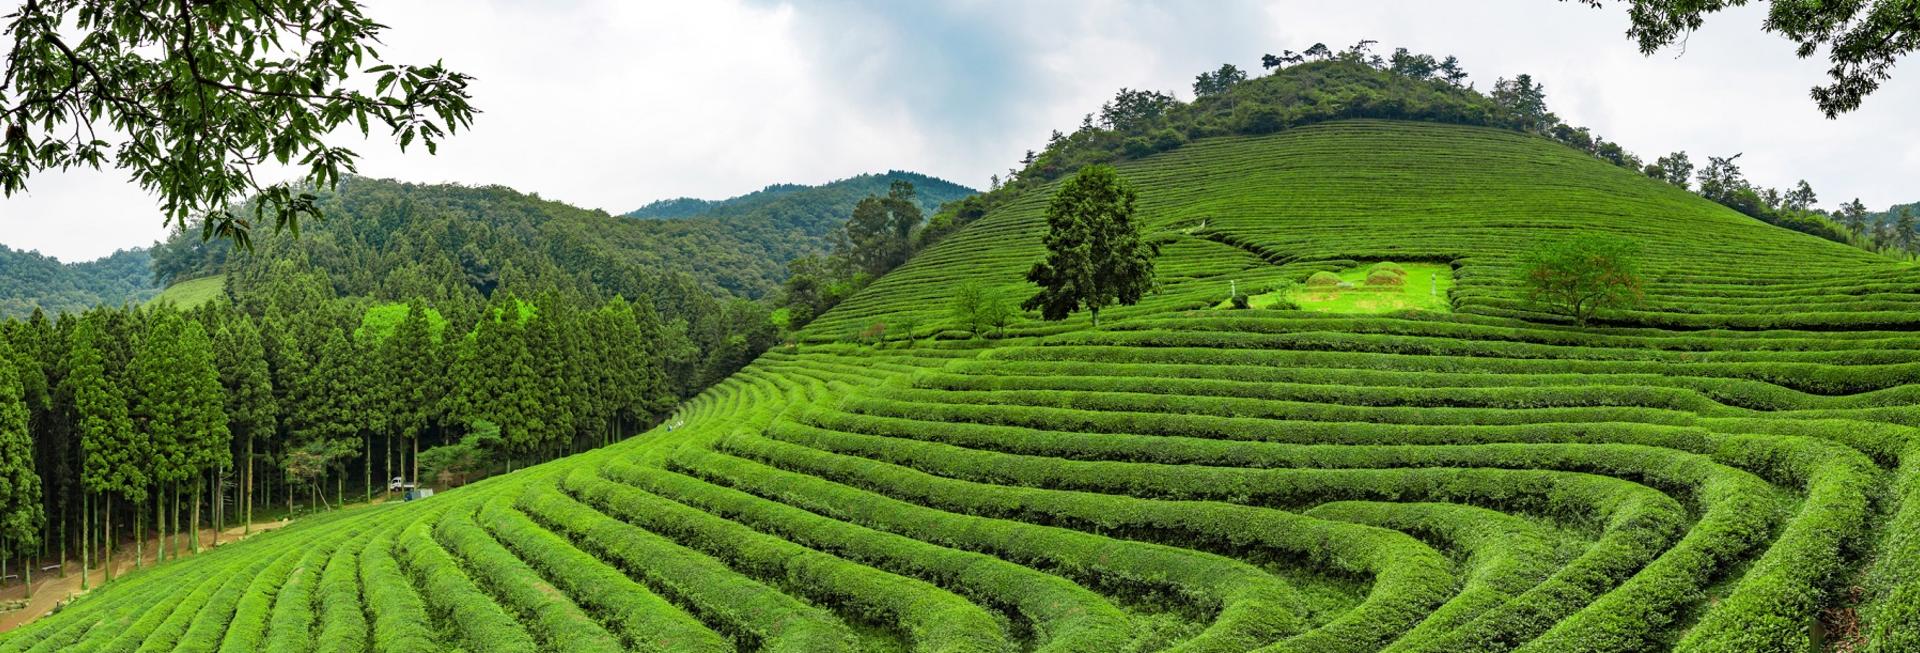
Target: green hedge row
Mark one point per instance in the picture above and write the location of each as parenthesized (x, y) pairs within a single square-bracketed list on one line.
[(480, 624), (342, 625), (552, 618), (1454, 347), (1505, 555), (1815, 378), (1508, 398), (1736, 392), (1739, 509), (757, 615), (1064, 616), (644, 621), (1409, 577), (1250, 607), (1475, 328), (401, 623), (934, 620)]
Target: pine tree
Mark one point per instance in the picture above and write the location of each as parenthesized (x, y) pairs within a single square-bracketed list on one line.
[(329, 403), (21, 512), (415, 376), (111, 454), (178, 407), (242, 360), (208, 441)]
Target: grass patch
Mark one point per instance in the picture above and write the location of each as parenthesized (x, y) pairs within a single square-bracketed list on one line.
[(1425, 289), (191, 293)]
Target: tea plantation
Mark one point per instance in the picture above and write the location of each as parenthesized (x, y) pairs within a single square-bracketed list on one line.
[(1732, 466)]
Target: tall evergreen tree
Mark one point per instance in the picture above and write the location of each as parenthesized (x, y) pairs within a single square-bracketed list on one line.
[(114, 456), (415, 376), (21, 513), (242, 359)]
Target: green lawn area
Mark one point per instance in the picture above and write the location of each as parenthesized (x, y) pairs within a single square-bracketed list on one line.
[(1425, 290), (192, 292)]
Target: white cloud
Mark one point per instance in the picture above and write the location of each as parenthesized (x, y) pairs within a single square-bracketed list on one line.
[(613, 103)]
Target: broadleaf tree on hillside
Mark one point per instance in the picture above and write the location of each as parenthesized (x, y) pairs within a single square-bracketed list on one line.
[(1095, 254), (199, 94), (879, 236), (1581, 275)]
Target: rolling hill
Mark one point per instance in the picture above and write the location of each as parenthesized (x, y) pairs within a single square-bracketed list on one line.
[(1731, 466), (29, 280)]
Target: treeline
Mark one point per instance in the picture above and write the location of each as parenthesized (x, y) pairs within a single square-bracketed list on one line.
[(30, 280), (404, 239), (129, 421)]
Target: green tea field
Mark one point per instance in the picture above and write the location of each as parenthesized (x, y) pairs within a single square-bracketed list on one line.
[(1732, 466)]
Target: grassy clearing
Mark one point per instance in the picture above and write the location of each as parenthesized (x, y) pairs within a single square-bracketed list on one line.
[(191, 293), (1425, 288)]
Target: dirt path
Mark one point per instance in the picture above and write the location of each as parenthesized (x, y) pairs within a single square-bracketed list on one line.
[(50, 589)]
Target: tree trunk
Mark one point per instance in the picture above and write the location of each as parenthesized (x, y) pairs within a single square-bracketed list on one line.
[(159, 524), (415, 477), (247, 500), (193, 523), (366, 464), (63, 535), (219, 507), (86, 538), (109, 540)]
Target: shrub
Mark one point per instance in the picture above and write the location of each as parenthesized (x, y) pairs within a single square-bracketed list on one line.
[(1389, 267), (1240, 301), (1386, 278), (1323, 279)]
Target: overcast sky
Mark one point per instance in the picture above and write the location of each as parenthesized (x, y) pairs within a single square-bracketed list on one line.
[(614, 103)]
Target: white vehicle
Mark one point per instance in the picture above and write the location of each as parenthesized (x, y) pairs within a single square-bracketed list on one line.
[(399, 484)]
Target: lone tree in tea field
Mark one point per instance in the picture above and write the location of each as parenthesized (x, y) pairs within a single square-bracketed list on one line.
[(1095, 256), (1580, 275)]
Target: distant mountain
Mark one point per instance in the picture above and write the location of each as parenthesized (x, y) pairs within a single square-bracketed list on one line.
[(758, 233), (30, 279), (827, 204)]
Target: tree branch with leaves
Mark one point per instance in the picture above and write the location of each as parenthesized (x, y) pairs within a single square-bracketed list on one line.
[(191, 97)]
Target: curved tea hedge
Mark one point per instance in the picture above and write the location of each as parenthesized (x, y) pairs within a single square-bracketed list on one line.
[(1731, 467)]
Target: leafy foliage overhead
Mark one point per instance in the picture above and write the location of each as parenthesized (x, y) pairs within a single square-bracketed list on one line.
[(190, 98), (30, 280)]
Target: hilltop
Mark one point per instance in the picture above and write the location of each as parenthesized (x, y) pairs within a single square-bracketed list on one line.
[(1699, 473)]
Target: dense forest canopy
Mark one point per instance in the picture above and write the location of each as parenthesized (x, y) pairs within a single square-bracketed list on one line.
[(30, 280), (377, 228)]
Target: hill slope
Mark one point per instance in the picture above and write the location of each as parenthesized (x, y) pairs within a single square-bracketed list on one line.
[(29, 280), (1710, 472)]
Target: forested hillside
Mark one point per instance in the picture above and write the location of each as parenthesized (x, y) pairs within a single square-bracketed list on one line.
[(758, 233), (389, 239), (29, 280)]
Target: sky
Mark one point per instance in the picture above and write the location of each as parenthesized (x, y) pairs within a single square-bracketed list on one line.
[(611, 104)]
